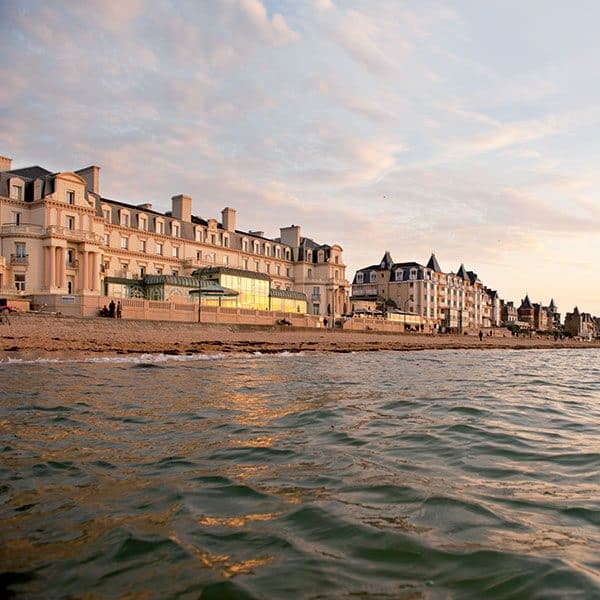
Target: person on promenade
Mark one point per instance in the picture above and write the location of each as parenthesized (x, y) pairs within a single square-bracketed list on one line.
[(111, 309), (119, 309), (480, 335)]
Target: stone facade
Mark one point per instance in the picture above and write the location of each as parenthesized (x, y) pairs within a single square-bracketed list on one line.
[(449, 301), (60, 236)]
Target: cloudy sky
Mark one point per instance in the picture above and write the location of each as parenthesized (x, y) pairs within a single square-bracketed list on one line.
[(467, 128)]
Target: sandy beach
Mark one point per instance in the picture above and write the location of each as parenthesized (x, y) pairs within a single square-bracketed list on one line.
[(30, 336)]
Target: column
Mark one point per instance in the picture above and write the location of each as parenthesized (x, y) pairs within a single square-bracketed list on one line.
[(52, 273), (95, 271), (84, 282), (60, 270)]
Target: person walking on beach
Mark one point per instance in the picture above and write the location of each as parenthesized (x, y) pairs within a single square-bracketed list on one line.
[(119, 309), (111, 309), (480, 335)]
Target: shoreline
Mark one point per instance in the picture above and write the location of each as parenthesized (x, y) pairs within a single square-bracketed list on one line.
[(31, 336)]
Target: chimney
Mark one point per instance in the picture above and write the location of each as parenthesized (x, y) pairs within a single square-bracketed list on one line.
[(181, 207), (228, 217), (91, 176), (5, 164), (145, 206), (290, 235)]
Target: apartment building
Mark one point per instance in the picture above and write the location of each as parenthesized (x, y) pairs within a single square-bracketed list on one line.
[(452, 301), (60, 235)]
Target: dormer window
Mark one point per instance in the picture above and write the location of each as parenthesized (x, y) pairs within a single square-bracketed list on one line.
[(198, 234), (373, 277), (226, 241), (143, 223), (267, 250), (106, 213), (70, 197), (413, 273), (175, 230), (124, 219), (159, 226), (277, 252), (399, 274), (321, 256), (309, 255), (256, 248), (245, 245), (16, 192), (359, 278)]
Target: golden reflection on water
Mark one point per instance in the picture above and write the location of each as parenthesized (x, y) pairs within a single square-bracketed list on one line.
[(237, 521)]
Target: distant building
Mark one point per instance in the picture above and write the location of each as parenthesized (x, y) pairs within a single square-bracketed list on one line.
[(581, 324), (453, 301), (509, 313)]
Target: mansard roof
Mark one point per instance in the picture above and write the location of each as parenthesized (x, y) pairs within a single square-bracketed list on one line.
[(35, 172), (462, 273), (434, 264), (552, 306)]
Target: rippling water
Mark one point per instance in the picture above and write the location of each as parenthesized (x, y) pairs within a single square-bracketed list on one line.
[(436, 474)]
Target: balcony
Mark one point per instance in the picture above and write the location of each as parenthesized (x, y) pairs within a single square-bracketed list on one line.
[(12, 229), (72, 264), (316, 297), (19, 259), (74, 234)]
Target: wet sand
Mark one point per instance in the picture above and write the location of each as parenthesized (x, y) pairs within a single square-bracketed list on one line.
[(31, 336)]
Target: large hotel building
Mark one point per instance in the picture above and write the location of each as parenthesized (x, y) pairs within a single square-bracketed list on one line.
[(60, 238)]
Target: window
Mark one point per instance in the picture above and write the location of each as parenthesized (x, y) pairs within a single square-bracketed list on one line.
[(198, 234), (174, 272), (257, 264), (287, 272), (277, 252), (373, 278), (278, 269), (159, 270), (159, 248), (309, 273), (70, 257), (213, 238), (16, 192), (70, 197), (359, 278), (268, 267), (335, 274), (256, 247), (20, 282), (124, 219), (143, 223), (106, 239), (245, 245), (175, 229), (316, 308), (337, 260), (175, 251), (199, 255), (106, 214), (267, 250), (125, 243), (142, 272), (160, 227), (316, 291), (16, 218), (226, 241), (287, 254), (70, 222), (142, 245), (245, 264), (20, 250), (226, 260)]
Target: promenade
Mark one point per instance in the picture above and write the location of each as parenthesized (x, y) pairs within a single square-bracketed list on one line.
[(30, 336)]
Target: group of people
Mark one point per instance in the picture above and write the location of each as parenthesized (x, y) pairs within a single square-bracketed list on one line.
[(111, 311)]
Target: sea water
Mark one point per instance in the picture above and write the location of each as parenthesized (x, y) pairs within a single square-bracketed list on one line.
[(438, 474)]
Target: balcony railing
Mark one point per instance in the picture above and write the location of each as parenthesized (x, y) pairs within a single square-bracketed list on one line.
[(74, 234), (21, 229), (19, 259), (73, 264)]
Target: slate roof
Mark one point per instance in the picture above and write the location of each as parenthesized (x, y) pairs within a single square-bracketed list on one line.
[(35, 172), (387, 261), (462, 273), (434, 264), (526, 303)]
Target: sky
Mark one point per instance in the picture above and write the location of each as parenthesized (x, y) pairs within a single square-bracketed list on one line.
[(469, 129)]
